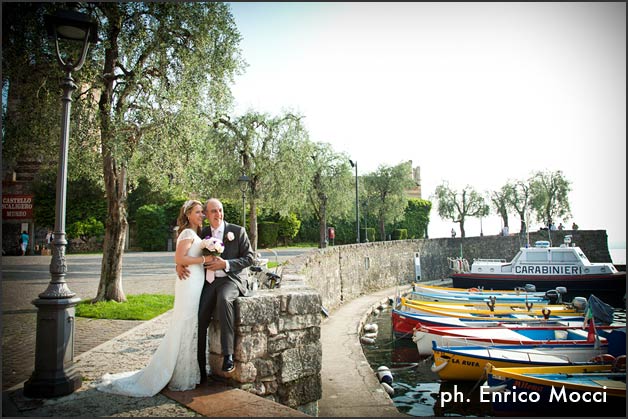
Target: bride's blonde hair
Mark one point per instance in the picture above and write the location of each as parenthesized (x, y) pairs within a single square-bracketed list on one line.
[(182, 221)]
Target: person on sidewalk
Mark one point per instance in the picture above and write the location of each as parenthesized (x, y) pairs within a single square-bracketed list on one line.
[(174, 363), (224, 283), (24, 242)]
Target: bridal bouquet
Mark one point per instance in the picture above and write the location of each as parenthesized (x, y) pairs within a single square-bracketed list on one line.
[(212, 246)]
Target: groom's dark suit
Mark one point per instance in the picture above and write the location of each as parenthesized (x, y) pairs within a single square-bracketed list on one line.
[(217, 298)]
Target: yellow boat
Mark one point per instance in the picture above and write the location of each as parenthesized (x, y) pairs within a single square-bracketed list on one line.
[(483, 309), (591, 390), (468, 363)]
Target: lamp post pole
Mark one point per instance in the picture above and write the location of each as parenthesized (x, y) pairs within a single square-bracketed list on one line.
[(55, 374), (357, 205)]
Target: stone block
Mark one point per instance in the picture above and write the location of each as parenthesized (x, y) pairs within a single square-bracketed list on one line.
[(300, 362), (255, 310), (300, 392)]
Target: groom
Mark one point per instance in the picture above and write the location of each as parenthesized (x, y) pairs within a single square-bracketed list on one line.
[(227, 284)]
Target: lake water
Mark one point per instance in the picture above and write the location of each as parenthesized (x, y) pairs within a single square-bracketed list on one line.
[(417, 389)]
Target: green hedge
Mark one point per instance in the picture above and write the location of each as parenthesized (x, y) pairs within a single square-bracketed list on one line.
[(400, 234), (267, 234), (371, 234), (152, 235)]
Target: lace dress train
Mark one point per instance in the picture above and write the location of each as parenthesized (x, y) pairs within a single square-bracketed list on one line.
[(174, 363)]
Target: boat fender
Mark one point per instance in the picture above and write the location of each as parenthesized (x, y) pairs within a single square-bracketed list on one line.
[(370, 327), (436, 369), (384, 375), (388, 389), (603, 359), (473, 290), (367, 341), (371, 335)]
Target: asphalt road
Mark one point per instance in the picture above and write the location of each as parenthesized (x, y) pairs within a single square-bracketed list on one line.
[(25, 277)]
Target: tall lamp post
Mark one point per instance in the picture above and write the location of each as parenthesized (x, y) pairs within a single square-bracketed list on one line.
[(357, 206), (243, 182), (55, 374)]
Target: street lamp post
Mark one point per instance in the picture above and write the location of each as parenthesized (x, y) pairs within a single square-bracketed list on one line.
[(55, 374), (243, 181), (357, 207)]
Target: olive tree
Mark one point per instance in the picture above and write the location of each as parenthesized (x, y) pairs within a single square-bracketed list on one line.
[(386, 193), (330, 195), (459, 205), (549, 196), (272, 152)]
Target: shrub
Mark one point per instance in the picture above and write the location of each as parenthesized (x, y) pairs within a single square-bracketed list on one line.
[(288, 227), (86, 229), (267, 233)]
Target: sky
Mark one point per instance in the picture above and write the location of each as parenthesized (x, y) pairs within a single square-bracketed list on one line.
[(474, 94)]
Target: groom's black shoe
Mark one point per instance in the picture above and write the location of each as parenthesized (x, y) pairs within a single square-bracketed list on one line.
[(204, 380), (227, 364)]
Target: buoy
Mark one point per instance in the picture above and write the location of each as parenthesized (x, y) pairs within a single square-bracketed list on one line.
[(367, 341), (384, 375), (371, 335), (388, 389), (370, 327)]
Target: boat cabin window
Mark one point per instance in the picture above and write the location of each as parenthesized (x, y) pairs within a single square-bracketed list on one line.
[(561, 256), (536, 257)]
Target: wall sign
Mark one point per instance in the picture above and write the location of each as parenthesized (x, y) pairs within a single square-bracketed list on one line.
[(17, 207)]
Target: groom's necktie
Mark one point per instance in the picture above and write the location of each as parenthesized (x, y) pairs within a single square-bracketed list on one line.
[(217, 233)]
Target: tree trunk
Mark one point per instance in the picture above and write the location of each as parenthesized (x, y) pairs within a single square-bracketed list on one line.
[(110, 286), (382, 229), (322, 226), (462, 233), (253, 224)]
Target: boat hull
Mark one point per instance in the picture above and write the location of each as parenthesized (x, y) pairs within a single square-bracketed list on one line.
[(469, 363), (490, 336), (580, 284), (558, 391)]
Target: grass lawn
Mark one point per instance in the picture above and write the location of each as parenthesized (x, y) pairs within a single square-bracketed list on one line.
[(137, 307)]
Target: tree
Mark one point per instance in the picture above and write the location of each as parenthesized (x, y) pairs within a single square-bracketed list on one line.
[(31, 99), (500, 200), (272, 152), (385, 189), (518, 199), (549, 196), (330, 195), (158, 64), (457, 206)]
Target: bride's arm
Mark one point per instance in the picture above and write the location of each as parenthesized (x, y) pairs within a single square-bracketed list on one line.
[(180, 256)]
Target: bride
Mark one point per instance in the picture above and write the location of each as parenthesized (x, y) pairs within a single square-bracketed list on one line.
[(174, 362)]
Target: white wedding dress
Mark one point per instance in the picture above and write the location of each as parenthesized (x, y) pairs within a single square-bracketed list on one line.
[(174, 363)]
